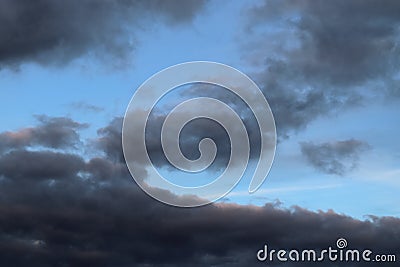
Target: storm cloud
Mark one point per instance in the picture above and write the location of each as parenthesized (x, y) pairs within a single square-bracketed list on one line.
[(22, 164), (59, 31), (58, 209)]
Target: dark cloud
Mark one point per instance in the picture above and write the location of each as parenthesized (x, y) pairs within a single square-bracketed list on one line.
[(91, 213), (103, 169), (52, 132), (342, 42), (77, 224), (58, 31), (110, 143), (323, 57), (196, 130), (22, 164), (334, 157), (296, 103), (110, 140)]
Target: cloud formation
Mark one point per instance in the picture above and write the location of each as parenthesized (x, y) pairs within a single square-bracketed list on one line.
[(322, 58), (52, 132), (337, 157), (60, 209), (22, 164), (59, 31)]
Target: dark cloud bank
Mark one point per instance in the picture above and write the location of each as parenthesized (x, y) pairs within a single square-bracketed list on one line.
[(58, 209)]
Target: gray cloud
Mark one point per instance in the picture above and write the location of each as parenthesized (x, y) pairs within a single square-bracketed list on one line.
[(323, 57), (342, 42), (76, 223), (104, 219), (334, 157), (53, 132), (59, 31), (22, 164), (198, 129), (83, 106), (110, 140)]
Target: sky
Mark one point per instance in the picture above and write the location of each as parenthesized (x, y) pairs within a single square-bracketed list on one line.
[(68, 69)]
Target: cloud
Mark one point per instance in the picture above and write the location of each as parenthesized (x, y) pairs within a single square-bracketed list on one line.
[(86, 107), (80, 225), (22, 164), (52, 132), (337, 157), (343, 42), (314, 58), (198, 129), (60, 209), (110, 140), (59, 31)]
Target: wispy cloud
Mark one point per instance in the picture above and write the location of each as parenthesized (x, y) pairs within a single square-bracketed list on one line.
[(83, 106)]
